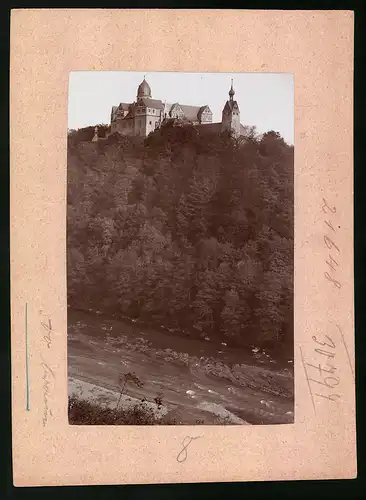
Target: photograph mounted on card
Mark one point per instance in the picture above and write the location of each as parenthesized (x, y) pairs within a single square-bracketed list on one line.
[(180, 249), (187, 213)]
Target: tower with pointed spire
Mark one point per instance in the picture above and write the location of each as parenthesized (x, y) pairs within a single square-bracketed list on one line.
[(231, 115)]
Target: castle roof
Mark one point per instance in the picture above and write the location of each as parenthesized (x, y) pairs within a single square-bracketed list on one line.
[(124, 105), (191, 113), (152, 103), (144, 89)]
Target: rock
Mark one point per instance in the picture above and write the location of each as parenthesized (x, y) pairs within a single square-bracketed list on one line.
[(265, 403), (190, 393)]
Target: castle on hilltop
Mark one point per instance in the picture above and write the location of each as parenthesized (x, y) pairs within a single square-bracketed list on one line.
[(146, 114)]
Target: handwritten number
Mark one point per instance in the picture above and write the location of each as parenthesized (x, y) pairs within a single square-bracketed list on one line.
[(325, 353), (336, 381), (331, 397), (182, 455), (322, 369), (330, 225), (333, 280), (330, 243), (331, 262), (326, 207), (326, 383), (331, 344)]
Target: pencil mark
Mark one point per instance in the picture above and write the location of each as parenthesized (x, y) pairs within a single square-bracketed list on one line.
[(307, 379), (331, 245), (182, 455), (47, 378), (47, 337), (347, 351), (26, 358)]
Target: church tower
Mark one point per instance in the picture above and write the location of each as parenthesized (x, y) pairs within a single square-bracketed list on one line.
[(231, 115)]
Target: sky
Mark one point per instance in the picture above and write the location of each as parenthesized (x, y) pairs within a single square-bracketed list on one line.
[(265, 100)]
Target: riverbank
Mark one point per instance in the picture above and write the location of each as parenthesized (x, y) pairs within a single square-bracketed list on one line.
[(199, 381)]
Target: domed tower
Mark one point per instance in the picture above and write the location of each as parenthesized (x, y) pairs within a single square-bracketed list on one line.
[(231, 115), (144, 90)]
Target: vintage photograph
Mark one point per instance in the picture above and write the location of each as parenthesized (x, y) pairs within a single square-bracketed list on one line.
[(180, 248)]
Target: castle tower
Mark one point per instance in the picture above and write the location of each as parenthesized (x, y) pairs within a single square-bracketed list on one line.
[(231, 115), (144, 90)]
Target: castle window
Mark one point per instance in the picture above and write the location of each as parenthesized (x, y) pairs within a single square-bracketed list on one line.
[(150, 123)]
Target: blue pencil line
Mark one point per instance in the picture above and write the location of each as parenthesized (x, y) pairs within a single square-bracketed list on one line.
[(26, 356)]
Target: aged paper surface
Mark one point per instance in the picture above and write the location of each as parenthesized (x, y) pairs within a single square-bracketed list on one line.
[(317, 47)]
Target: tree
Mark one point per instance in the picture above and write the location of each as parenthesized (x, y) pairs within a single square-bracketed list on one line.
[(191, 231)]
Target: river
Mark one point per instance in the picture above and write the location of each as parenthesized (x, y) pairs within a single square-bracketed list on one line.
[(200, 381)]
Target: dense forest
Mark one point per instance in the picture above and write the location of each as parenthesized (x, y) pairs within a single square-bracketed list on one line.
[(190, 231)]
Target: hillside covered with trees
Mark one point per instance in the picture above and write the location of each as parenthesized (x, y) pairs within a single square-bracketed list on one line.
[(188, 231)]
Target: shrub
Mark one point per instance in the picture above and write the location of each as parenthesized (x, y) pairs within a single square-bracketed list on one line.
[(82, 412)]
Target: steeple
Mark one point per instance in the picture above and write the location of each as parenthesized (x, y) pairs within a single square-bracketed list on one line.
[(231, 91), (231, 114)]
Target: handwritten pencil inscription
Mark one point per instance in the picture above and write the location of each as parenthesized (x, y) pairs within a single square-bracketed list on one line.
[(322, 374), (182, 455), (47, 336), (321, 364), (48, 376), (333, 250)]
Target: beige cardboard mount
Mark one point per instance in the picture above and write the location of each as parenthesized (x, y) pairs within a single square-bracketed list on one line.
[(317, 47)]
